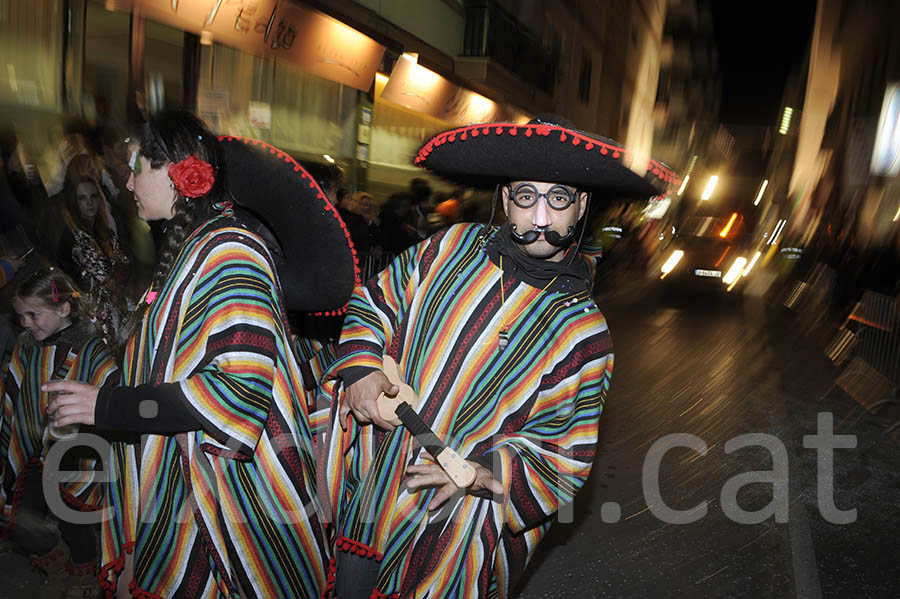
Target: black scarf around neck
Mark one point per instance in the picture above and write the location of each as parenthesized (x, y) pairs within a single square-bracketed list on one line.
[(572, 267)]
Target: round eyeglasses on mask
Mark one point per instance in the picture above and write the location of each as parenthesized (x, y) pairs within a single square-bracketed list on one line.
[(559, 197)]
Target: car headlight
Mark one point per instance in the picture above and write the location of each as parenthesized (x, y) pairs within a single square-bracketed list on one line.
[(669, 264), (750, 266), (734, 273)]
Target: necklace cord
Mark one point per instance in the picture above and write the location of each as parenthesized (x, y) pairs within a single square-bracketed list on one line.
[(507, 323)]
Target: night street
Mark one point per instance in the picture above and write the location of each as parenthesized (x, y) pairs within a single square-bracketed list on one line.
[(717, 370)]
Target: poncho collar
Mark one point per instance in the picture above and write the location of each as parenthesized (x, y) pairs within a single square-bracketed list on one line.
[(572, 271), (74, 335)]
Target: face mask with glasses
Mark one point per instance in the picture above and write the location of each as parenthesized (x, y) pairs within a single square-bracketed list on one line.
[(526, 195)]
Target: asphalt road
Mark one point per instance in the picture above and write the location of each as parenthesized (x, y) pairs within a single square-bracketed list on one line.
[(719, 371)]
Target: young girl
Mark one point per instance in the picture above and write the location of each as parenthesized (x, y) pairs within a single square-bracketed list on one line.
[(57, 343)]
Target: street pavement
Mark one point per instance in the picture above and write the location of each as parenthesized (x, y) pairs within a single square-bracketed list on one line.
[(719, 370)]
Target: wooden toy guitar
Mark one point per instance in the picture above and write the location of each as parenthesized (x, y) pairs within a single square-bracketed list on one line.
[(399, 410)]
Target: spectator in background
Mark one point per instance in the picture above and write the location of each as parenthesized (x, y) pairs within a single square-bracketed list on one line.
[(24, 183), (420, 193), (89, 251), (8, 267), (398, 234), (367, 233), (447, 212)]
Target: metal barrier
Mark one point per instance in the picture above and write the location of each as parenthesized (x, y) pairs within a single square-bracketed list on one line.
[(810, 300), (871, 333)]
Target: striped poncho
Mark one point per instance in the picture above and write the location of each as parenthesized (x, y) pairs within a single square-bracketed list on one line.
[(74, 354), (529, 411), (228, 510)]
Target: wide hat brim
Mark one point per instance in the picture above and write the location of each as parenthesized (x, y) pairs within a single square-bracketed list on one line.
[(488, 154), (317, 265)]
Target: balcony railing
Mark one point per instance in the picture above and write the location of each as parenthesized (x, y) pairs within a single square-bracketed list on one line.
[(493, 33)]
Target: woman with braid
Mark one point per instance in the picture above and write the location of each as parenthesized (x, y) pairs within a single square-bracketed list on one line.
[(214, 493)]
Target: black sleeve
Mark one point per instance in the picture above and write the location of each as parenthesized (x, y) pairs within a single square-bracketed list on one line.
[(161, 410), (351, 374)]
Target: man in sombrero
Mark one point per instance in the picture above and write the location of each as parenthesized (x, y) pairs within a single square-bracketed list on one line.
[(496, 330)]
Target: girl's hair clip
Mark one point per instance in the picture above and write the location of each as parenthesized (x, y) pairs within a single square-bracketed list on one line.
[(54, 292)]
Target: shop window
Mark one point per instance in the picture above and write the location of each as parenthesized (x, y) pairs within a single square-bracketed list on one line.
[(105, 64), (243, 94), (163, 60), (31, 38)]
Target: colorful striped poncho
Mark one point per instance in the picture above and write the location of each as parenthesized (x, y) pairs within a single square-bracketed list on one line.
[(530, 411), (74, 354), (228, 510)]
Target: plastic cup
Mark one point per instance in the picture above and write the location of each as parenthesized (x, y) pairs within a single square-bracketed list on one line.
[(60, 433)]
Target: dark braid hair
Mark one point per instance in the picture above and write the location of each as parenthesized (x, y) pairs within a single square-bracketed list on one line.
[(170, 137)]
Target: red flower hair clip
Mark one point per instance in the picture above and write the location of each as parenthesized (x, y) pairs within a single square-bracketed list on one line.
[(192, 177)]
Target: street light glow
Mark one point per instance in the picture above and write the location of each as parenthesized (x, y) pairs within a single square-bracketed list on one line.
[(761, 190), (710, 186), (683, 184)]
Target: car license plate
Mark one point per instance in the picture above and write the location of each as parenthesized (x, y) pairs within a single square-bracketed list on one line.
[(708, 273)]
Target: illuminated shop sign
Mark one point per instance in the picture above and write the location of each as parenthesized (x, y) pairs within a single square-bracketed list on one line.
[(421, 89), (284, 31)]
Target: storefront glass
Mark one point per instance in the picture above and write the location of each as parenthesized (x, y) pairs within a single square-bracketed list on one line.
[(105, 70), (243, 94), (31, 80), (397, 134)]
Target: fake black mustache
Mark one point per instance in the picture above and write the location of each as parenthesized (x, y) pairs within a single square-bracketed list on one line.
[(552, 237)]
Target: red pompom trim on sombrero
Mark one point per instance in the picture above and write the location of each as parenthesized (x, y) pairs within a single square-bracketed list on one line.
[(567, 136), (320, 195)]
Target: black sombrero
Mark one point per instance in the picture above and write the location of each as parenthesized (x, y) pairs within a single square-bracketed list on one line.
[(314, 255), (486, 154)]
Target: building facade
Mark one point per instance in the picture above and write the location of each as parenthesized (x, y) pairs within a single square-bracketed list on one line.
[(361, 83)]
